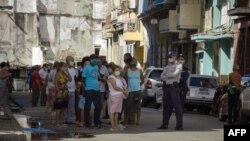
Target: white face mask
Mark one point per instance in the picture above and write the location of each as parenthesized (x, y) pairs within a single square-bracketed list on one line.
[(117, 73), (71, 63), (170, 60)]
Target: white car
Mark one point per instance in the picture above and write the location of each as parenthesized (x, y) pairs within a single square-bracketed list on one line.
[(152, 77), (201, 92), (245, 79)]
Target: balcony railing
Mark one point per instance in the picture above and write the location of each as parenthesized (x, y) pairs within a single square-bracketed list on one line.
[(132, 25)]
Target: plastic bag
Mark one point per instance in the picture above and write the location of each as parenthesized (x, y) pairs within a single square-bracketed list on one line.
[(81, 102)]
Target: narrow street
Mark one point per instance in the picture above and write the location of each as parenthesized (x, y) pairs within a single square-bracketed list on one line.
[(197, 127)]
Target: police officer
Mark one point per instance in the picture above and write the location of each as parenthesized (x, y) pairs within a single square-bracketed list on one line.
[(171, 98), (183, 82)]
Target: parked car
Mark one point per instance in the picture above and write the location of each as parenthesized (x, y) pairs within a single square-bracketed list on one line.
[(201, 92), (152, 77), (159, 93), (244, 105), (245, 79)]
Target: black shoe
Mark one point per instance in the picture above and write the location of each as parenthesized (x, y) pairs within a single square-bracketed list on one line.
[(179, 129), (105, 117), (162, 127), (98, 127)]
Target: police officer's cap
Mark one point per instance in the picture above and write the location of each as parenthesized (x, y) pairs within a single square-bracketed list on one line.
[(172, 53)]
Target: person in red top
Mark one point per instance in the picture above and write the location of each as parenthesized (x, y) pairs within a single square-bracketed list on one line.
[(36, 86)]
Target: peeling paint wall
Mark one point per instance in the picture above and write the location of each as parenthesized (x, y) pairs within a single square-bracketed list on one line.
[(18, 33), (60, 27), (66, 28)]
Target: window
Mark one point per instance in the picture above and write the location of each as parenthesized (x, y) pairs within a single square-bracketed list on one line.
[(97, 51), (156, 75), (203, 82)]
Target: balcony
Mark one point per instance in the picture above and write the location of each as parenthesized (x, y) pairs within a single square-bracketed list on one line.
[(6, 6), (188, 15), (131, 31), (240, 11), (161, 3)]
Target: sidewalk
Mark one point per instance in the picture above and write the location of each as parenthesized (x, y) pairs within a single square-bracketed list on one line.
[(10, 130)]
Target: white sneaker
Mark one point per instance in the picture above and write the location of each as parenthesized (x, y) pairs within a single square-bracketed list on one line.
[(121, 126)]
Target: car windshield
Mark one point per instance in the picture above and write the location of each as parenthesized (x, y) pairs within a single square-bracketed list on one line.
[(156, 75), (203, 82)]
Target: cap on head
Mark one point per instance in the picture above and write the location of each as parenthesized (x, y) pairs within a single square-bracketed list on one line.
[(172, 54), (236, 67)]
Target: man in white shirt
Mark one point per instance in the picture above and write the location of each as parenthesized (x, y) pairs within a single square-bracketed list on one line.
[(171, 76), (104, 73), (70, 116), (43, 72)]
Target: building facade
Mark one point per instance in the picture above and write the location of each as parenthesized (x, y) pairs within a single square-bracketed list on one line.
[(50, 30), (122, 31), (216, 40), (241, 30)]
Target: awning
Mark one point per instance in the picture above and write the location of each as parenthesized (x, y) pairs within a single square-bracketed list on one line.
[(207, 37)]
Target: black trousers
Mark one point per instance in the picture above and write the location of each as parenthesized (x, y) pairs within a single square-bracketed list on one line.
[(35, 96), (171, 99), (233, 100)]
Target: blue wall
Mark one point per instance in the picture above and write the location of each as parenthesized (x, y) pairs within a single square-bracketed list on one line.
[(143, 6), (225, 61), (207, 59)]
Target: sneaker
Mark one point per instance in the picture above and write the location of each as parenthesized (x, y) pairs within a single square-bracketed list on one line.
[(121, 126), (113, 129), (162, 127)]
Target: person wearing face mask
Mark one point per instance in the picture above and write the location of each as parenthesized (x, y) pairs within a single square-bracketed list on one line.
[(61, 96), (91, 78), (70, 116), (171, 76), (183, 82), (116, 92), (43, 72), (134, 78)]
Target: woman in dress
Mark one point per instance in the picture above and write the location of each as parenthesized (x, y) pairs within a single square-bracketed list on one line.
[(116, 92), (60, 104)]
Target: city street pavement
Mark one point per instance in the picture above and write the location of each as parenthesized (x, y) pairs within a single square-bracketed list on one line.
[(197, 127)]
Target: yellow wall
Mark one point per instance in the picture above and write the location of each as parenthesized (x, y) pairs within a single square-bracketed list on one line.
[(139, 55)]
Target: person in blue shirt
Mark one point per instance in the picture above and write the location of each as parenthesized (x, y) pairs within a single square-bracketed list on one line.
[(91, 77)]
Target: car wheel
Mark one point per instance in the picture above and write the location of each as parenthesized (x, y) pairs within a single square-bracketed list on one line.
[(221, 116), (155, 104), (242, 117), (204, 110), (189, 108)]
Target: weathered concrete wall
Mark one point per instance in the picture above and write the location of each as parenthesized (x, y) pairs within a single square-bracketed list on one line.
[(18, 34), (60, 27), (66, 28)]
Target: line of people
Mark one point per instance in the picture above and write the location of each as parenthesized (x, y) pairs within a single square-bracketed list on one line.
[(80, 95)]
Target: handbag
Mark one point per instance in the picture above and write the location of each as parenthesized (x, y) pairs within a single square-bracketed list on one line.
[(81, 102)]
